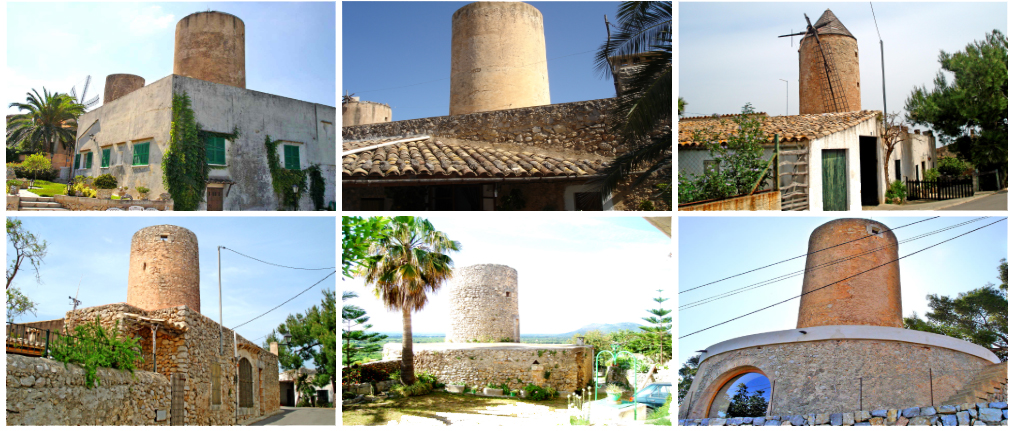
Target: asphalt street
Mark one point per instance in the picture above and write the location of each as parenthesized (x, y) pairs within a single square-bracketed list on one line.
[(995, 202), (301, 416)]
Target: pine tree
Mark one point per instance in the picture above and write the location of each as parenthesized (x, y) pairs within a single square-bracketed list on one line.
[(357, 342), (659, 335)]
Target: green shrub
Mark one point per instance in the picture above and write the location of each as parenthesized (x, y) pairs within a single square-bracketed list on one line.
[(952, 166), (537, 393), (420, 387), (92, 346), (143, 190), (931, 174), (662, 414), (105, 181), (897, 189)]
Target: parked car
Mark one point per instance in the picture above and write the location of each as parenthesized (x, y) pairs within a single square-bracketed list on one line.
[(654, 394)]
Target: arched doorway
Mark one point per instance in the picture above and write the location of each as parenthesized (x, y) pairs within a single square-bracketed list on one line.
[(744, 395)]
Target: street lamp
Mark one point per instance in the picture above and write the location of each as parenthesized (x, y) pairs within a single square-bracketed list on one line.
[(786, 95)]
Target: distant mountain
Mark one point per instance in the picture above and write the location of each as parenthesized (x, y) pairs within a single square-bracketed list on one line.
[(603, 327)]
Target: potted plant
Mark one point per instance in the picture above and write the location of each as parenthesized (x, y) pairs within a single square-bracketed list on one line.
[(614, 393), (142, 193), (456, 388), (105, 184), (492, 390)]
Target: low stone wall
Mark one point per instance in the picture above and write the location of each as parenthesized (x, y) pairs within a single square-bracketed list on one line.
[(992, 414), (576, 126), (762, 201), (43, 392), (13, 202), (78, 203), (563, 367)]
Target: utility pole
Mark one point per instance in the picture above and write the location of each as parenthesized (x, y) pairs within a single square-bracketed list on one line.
[(221, 343)]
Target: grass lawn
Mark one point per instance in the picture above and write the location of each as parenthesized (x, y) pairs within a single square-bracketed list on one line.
[(380, 413), (48, 189)]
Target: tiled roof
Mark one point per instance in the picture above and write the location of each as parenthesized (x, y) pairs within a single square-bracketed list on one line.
[(431, 157), (791, 128)]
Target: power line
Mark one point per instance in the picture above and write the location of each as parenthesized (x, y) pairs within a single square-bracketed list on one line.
[(820, 266), (837, 281), (289, 300), (274, 264), (468, 71), (803, 255)]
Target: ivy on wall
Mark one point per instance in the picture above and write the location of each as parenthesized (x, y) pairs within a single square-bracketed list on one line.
[(316, 186), (288, 183), (184, 165)]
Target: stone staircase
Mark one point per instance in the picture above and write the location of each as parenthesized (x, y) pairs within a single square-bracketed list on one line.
[(990, 384), (31, 203)]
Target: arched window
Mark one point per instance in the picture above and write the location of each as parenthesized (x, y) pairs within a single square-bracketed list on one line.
[(245, 383), (745, 395)]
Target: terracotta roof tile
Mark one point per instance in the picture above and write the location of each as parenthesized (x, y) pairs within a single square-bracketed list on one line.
[(791, 128), (431, 157)]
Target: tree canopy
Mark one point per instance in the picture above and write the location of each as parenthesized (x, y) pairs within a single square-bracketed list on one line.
[(979, 316), (47, 120), (686, 374), (313, 338), (971, 111), (357, 234), (358, 343)]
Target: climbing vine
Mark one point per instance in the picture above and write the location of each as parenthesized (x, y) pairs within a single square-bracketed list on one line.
[(316, 186), (288, 183), (184, 165)]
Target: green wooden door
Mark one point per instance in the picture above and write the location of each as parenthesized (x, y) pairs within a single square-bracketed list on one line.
[(834, 180)]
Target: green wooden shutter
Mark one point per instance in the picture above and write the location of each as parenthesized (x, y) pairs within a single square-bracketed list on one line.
[(87, 160), (215, 150), (141, 154), (292, 157), (77, 161), (106, 155)]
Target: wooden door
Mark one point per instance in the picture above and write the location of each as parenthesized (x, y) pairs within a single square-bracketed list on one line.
[(214, 198), (834, 180)]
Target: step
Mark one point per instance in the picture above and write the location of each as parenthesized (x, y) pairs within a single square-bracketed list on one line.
[(40, 205), (44, 209), (37, 199)]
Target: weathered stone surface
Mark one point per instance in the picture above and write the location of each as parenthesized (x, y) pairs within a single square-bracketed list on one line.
[(927, 411), (891, 415), (705, 422), (981, 406), (735, 422), (919, 421), (949, 420), (760, 421), (979, 423), (862, 424), (902, 421), (717, 422), (848, 419), (881, 413), (973, 413), (797, 420), (998, 405), (862, 416), (911, 412), (989, 415), (772, 423), (877, 421), (836, 419), (1004, 414), (947, 409), (821, 418)]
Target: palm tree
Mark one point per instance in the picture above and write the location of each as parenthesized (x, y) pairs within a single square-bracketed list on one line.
[(51, 118), (644, 106), (404, 266)]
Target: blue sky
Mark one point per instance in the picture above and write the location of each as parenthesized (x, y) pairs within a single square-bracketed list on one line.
[(729, 53), (290, 47), (711, 248), (572, 270), (95, 252), (397, 44)]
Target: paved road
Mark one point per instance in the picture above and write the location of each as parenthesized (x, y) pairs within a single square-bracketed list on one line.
[(301, 416), (995, 202)]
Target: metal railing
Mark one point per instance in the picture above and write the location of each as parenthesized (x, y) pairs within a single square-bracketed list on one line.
[(940, 189), (28, 340)]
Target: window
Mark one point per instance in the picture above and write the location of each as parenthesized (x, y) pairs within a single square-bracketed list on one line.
[(245, 383), (898, 177), (87, 160), (141, 154), (725, 405), (292, 157), (215, 384), (77, 161), (215, 150), (106, 155)]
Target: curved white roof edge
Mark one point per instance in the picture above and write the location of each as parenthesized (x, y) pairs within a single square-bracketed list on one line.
[(850, 332)]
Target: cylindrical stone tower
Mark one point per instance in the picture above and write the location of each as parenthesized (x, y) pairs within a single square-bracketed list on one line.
[(121, 84), (164, 268), (843, 45), (483, 305), (872, 298), (356, 112), (211, 46), (498, 58)]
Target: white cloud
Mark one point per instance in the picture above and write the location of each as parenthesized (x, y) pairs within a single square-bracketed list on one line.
[(148, 20)]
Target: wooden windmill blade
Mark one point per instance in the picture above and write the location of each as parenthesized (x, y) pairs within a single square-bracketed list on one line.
[(833, 97)]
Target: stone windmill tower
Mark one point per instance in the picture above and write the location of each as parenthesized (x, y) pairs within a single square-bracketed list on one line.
[(829, 76)]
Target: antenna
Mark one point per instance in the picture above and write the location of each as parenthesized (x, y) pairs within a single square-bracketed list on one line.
[(74, 300)]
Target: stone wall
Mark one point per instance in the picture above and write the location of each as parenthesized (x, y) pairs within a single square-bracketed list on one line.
[(188, 343), (45, 392), (576, 126), (164, 268), (981, 414), (78, 203), (484, 305), (13, 203), (563, 367), (837, 375)]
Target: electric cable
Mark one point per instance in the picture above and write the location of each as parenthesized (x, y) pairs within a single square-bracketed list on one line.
[(817, 267), (289, 300), (803, 255), (843, 279), (274, 264)]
